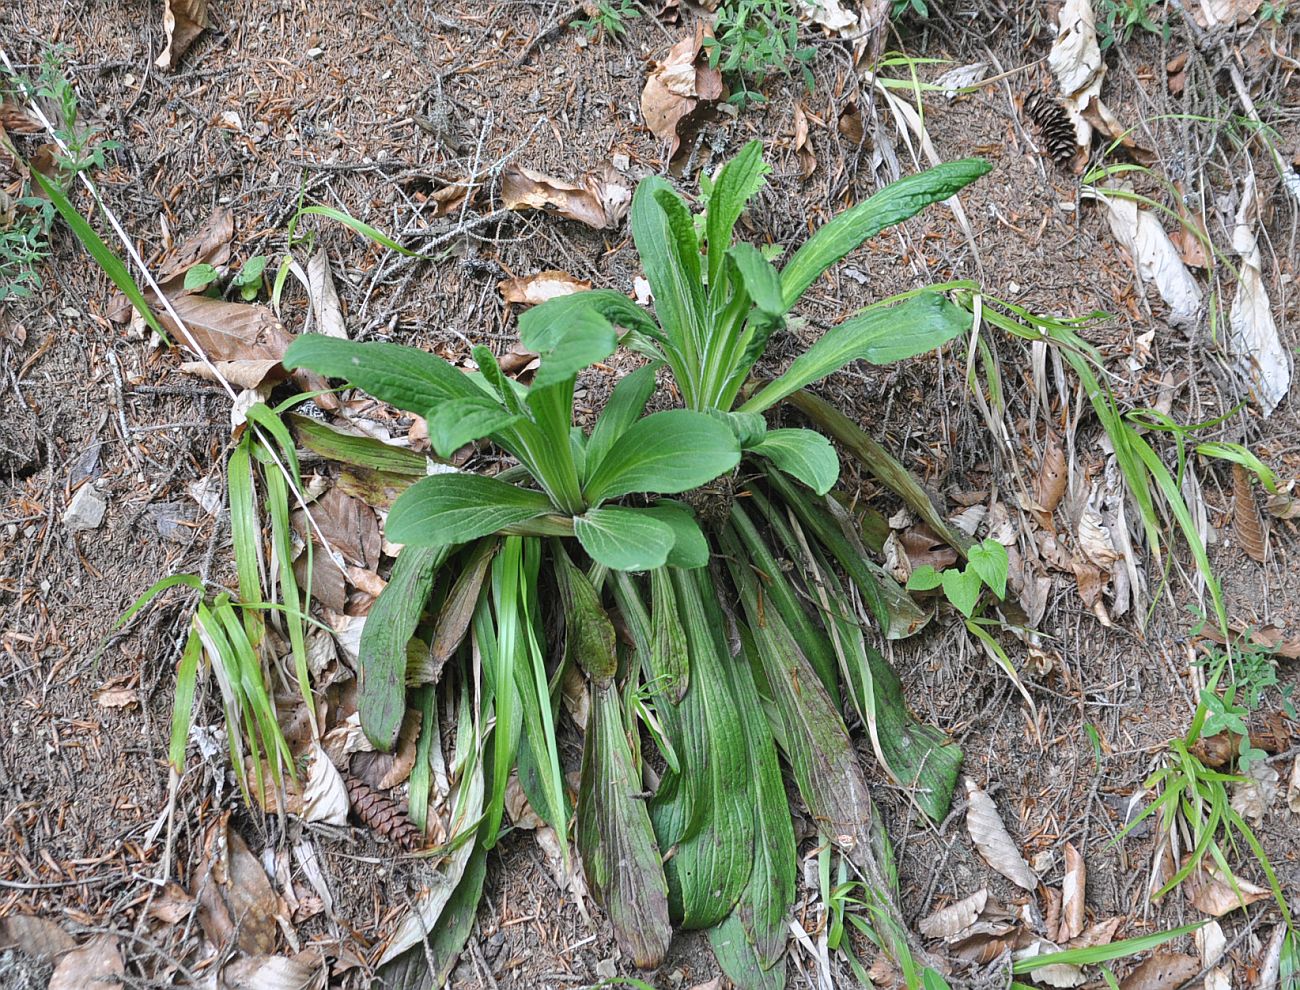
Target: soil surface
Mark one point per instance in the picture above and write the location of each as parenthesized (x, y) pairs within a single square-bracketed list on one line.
[(376, 108)]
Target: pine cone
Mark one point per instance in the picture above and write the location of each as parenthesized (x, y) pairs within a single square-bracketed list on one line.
[(382, 814), (1054, 125)]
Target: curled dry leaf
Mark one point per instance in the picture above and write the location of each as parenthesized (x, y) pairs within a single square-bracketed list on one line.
[(1062, 975), (1076, 62), (1102, 933), (116, 697), (955, 918), (1154, 256), (1073, 891), (600, 201), (323, 296), (305, 971), (1260, 357), (1211, 944), (1253, 796), (324, 795), (1053, 473), (1247, 523), (679, 87), (1220, 13), (802, 146), (183, 21), (1293, 787), (236, 901), (1213, 895), (962, 77), (97, 965), (529, 290), (992, 840), (830, 14), (1163, 971)]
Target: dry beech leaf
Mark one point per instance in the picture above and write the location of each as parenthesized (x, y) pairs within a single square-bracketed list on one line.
[(600, 201), (1252, 797), (1062, 975), (1218, 13), (1053, 473), (1211, 944), (236, 901), (241, 374), (1073, 891), (1163, 971), (1210, 894), (172, 906), (324, 795), (305, 971), (962, 77), (183, 21), (520, 811), (1154, 256), (678, 86), (803, 148), (955, 918), (1260, 356), (384, 771), (831, 15), (97, 965), (36, 937), (116, 697), (1246, 521), (529, 290), (992, 840), (1075, 58), (1102, 933), (323, 296)]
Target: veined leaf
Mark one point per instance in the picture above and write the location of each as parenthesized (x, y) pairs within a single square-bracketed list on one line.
[(542, 327), (735, 185), (457, 508), (893, 204), (739, 958), (183, 700), (707, 811), (989, 561), (456, 422), (664, 453), (410, 379), (616, 839), (589, 633), (690, 548), (669, 652), (802, 454), (760, 279), (356, 450), (749, 427), (590, 338), (880, 334), (624, 539), (381, 660), (625, 406)]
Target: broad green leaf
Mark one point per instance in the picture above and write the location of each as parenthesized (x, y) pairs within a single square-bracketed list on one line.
[(672, 267), (924, 578), (961, 586), (802, 454), (104, 257), (895, 203), (381, 660), (589, 339), (615, 837), (690, 548), (624, 539), (456, 422), (880, 334), (200, 276), (707, 811), (734, 186), (989, 561), (761, 281), (410, 379), (625, 406), (738, 956), (457, 508), (749, 427), (542, 327), (664, 453)]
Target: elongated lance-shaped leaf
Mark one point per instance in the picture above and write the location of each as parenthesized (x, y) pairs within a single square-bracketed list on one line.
[(818, 746), (814, 644), (457, 611), (356, 450), (764, 906), (739, 958), (405, 377), (628, 595), (895, 203), (881, 334), (669, 653), (589, 634), (455, 422), (187, 676), (671, 258), (735, 185), (458, 508), (709, 822), (882, 464), (892, 607), (805, 455), (381, 659), (615, 837), (918, 756)]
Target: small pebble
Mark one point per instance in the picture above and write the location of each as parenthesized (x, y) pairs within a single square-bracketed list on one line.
[(85, 511)]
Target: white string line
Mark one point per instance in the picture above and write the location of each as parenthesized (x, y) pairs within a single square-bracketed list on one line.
[(190, 341)]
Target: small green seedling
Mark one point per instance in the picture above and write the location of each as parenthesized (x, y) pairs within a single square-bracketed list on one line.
[(904, 7), (609, 19), (1118, 19), (754, 40), (986, 567), (247, 281)]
